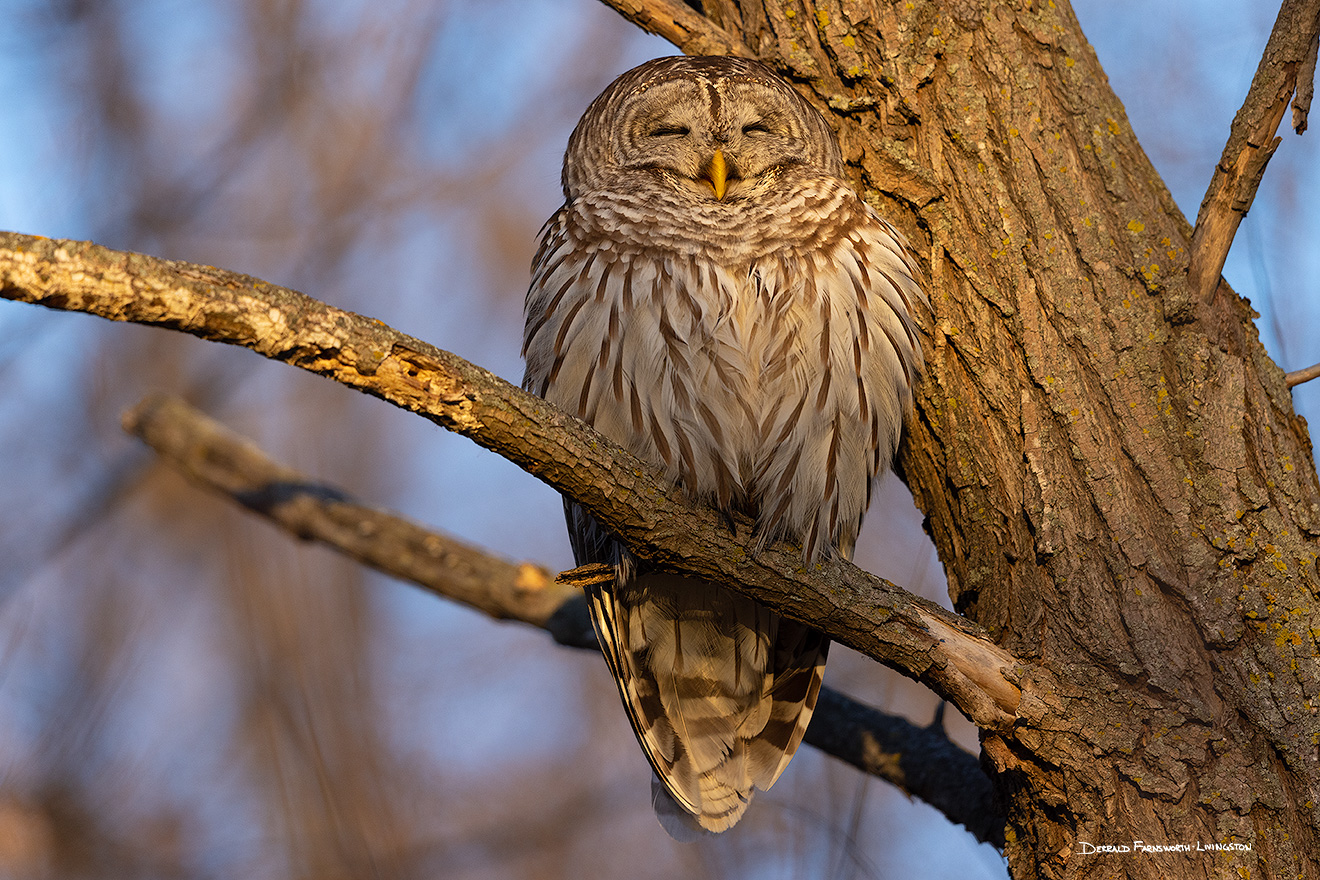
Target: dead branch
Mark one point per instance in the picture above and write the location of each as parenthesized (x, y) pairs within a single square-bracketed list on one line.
[(680, 24), (1305, 86), (1251, 143), (922, 762), (915, 636)]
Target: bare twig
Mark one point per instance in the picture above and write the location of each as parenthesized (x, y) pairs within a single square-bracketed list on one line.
[(1251, 143), (921, 761), (657, 522), (681, 25), (1297, 377)]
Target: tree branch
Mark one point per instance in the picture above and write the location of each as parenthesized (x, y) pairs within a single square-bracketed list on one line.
[(1305, 85), (919, 760), (657, 522), (922, 762), (680, 24), (1251, 142), (1297, 377), (217, 458)]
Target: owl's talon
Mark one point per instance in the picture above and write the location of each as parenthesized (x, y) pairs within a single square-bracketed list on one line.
[(730, 522)]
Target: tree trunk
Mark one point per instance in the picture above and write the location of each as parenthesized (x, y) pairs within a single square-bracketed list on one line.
[(1110, 464)]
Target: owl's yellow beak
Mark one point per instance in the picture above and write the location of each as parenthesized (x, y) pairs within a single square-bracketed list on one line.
[(717, 173)]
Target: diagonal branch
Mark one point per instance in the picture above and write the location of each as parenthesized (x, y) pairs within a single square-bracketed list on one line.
[(922, 762), (217, 458), (658, 523), (680, 24), (1252, 141)]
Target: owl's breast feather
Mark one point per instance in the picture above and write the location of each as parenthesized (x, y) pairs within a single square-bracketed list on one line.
[(811, 215), (759, 371)]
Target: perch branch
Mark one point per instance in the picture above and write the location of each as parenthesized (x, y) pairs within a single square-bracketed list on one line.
[(922, 762), (1251, 143), (680, 24), (658, 523)]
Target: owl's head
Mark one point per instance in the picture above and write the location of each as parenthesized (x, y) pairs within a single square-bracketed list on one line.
[(710, 128)]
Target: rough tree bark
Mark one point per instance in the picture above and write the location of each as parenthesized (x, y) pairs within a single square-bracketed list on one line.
[(1110, 464)]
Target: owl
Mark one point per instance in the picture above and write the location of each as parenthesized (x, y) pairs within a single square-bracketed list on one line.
[(715, 297)]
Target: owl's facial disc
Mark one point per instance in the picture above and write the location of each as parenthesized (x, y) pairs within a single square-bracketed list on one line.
[(720, 141)]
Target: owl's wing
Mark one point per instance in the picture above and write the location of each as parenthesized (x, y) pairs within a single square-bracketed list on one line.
[(719, 689)]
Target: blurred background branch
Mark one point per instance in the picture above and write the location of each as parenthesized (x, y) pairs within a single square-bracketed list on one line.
[(920, 761)]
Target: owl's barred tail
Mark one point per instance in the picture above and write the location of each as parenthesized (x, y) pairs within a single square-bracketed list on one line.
[(718, 688), (677, 821)]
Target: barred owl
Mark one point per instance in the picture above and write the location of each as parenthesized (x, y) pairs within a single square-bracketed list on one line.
[(715, 297)]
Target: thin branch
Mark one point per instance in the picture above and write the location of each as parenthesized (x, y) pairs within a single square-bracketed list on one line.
[(1297, 377), (681, 25), (1251, 143), (657, 522), (921, 761), (210, 454)]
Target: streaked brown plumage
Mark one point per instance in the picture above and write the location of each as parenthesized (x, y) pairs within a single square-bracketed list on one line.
[(714, 296)]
